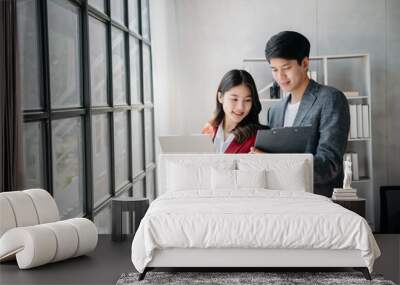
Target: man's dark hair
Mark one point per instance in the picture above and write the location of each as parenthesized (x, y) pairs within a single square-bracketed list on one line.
[(287, 45)]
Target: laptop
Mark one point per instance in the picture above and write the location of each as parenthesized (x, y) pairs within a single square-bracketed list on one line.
[(187, 144), (283, 140)]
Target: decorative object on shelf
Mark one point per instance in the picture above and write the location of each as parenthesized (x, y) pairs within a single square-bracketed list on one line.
[(353, 157), (347, 192), (347, 174)]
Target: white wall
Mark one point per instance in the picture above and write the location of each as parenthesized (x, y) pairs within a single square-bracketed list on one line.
[(196, 41)]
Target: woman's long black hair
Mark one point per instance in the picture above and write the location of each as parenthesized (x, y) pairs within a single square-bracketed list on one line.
[(250, 124)]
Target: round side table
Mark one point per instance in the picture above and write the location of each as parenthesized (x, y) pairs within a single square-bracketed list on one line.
[(126, 204)]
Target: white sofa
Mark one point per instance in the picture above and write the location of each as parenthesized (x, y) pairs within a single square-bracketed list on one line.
[(31, 233)]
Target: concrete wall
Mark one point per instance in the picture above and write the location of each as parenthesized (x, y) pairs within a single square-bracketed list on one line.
[(196, 41), (392, 62)]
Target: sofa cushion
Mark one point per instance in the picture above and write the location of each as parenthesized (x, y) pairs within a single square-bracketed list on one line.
[(23, 208), (45, 205), (7, 215), (26, 208)]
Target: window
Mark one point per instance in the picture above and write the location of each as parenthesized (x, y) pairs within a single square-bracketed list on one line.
[(145, 19), (134, 56), (118, 66), (98, 4), (88, 106), (101, 158), (147, 82), (68, 166), (133, 16), (149, 135), (121, 150), (64, 54), (138, 142), (117, 10), (28, 38), (98, 62), (33, 154)]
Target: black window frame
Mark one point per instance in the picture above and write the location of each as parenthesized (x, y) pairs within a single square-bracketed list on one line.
[(47, 114)]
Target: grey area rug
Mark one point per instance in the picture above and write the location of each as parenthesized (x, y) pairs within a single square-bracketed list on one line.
[(228, 278)]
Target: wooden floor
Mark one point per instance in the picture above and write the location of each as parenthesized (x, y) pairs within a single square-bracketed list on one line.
[(103, 266), (111, 259)]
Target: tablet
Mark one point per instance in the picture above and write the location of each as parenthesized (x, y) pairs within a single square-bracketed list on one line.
[(187, 144), (283, 140)]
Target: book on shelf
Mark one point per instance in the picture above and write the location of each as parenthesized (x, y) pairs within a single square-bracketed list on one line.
[(340, 194), (344, 191), (344, 198), (365, 119), (359, 121), (353, 121), (344, 194)]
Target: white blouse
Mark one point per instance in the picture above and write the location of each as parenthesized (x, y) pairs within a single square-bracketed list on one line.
[(220, 144)]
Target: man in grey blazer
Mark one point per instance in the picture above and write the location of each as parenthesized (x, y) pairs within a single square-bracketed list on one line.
[(309, 103)]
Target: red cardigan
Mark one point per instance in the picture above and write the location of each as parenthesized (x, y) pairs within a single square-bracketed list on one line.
[(244, 147), (234, 147)]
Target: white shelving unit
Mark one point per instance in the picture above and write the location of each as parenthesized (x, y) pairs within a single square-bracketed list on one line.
[(348, 73)]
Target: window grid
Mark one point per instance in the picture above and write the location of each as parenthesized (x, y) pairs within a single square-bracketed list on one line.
[(87, 111)]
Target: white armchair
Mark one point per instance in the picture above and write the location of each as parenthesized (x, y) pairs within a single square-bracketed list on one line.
[(31, 232)]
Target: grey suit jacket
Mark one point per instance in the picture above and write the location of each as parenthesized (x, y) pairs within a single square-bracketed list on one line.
[(327, 110)]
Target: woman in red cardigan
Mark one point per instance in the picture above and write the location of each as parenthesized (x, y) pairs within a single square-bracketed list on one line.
[(235, 122)]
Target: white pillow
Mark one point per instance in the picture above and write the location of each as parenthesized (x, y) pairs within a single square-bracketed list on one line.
[(251, 178), (236, 179), (281, 174), (192, 174), (223, 179), (186, 177), (292, 179)]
